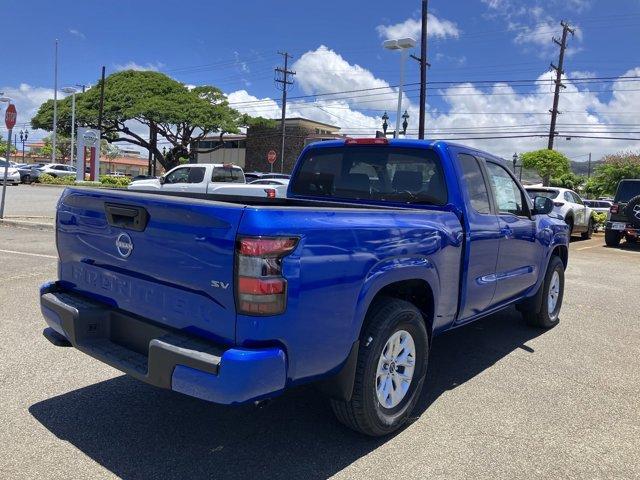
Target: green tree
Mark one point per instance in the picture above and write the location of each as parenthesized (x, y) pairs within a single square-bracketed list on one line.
[(180, 115), (568, 180), (547, 163), (3, 148), (615, 168), (63, 147)]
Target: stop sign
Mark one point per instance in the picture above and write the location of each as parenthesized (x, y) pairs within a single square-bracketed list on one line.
[(10, 116), (271, 156)]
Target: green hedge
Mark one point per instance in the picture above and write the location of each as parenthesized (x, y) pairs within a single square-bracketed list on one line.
[(105, 181), (51, 180), (109, 181)]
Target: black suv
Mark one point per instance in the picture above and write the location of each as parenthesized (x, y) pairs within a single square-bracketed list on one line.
[(624, 218)]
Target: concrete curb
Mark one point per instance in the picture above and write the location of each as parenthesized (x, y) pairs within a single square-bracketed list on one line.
[(48, 185), (29, 225)]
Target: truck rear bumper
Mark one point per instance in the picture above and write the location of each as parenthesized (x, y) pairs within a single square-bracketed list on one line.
[(159, 356)]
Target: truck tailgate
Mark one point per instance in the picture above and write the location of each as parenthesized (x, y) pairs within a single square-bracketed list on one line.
[(168, 259)]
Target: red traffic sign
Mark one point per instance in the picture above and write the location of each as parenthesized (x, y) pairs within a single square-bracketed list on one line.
[(271, 156), (10, 116)]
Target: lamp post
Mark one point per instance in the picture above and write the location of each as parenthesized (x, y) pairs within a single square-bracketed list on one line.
[(72, 91), (402, 44), (24, 135), (385, 123), (405, 122)]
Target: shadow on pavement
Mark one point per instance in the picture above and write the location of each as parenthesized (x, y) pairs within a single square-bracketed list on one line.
[(138, 431)]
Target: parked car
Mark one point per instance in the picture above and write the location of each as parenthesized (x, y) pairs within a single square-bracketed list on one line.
[(13, 175), (57, 170), (193, 178), (272, 188), (568, 205), (379, 247), (251, 176), (624, 214), (600, 206)]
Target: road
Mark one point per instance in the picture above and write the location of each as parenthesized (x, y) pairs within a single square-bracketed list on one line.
[(502, 400), (32, 201)]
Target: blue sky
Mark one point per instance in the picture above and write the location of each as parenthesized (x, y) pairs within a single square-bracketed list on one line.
[(337, 46)]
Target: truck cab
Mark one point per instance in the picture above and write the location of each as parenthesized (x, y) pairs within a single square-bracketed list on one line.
[(192, 178)]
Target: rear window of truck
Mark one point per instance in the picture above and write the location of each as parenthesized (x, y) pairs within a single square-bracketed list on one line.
[(227, 175), (381, 173)]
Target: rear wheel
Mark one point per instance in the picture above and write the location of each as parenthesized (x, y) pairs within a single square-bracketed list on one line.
[(587, 235), (612, 238), (391, 368), (548, 309)]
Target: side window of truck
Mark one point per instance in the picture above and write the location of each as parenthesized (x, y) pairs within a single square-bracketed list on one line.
[(509, 198), (476, 186), (196, 174), (179, 175)]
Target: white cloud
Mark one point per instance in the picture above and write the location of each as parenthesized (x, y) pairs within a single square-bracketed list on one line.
[(324, 70), (131, 65), (412, 27), (77, 33)]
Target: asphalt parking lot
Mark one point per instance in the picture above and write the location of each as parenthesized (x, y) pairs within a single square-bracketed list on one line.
[(503, 400), (32, 201)]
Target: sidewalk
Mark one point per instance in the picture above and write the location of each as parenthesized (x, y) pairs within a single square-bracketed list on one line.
[(33, 222)]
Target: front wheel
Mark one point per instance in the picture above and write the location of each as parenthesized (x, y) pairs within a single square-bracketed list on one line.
[(548, 314), (391, 368)]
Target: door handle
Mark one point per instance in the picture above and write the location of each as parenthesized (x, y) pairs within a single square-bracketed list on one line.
[(506, 232)]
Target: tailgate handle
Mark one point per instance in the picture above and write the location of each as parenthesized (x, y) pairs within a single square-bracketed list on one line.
[(127, 216)]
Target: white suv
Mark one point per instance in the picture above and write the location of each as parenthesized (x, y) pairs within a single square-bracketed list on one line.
[(569, 206)]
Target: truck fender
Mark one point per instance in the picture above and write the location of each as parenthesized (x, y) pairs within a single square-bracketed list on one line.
[(340, 384)]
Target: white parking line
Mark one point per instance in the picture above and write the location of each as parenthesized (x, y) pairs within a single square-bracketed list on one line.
[(42, 255)]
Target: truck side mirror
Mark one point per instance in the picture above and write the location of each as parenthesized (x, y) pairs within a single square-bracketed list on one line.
[(162, 180), (542, 205)]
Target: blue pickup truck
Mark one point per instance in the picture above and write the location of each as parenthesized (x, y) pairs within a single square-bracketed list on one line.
[(379, 247)]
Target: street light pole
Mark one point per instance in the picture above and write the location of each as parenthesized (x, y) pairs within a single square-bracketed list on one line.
[(24, 135), (403, 44), (72, 91), (55, 104)]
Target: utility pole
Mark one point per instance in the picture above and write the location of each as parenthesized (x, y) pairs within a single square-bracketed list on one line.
[(283, 83), (101, 110), (559, 71), (82, 85), (589, 167), (423, 70)]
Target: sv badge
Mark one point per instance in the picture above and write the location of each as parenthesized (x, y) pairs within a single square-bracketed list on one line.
[(217, 284)]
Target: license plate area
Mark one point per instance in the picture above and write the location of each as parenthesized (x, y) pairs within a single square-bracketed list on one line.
[(618, 226)]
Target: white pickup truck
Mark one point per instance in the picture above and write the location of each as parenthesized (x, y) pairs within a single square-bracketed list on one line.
[(192, 178)]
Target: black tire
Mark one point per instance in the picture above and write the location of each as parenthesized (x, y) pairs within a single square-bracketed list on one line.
[(587, 235), (612, 238), (537, 314), (27, 179), (363, 412)]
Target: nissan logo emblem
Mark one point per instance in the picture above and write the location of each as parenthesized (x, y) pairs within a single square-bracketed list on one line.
[(124, 245)]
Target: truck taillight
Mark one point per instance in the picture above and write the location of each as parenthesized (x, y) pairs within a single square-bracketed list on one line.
[(615, 208), (271, 192), (261, 289)]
